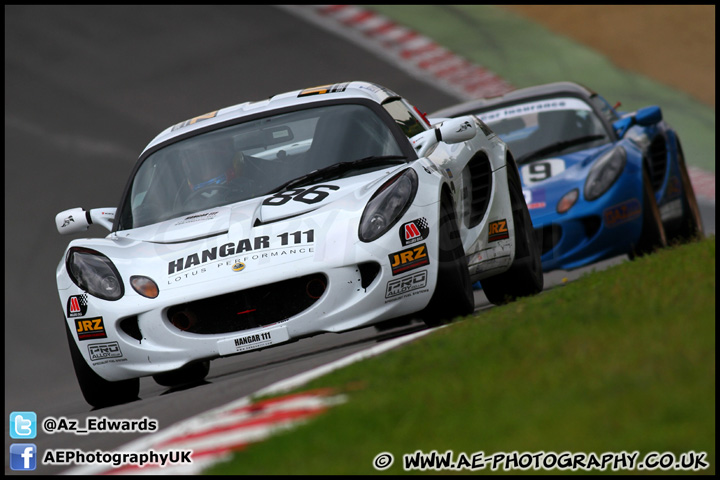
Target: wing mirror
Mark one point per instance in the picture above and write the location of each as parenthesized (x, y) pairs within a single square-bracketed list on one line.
[(76, 220), (454, 130), (645, 116), (648, 116)]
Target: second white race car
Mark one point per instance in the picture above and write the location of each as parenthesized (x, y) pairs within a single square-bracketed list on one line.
[(318, 210)]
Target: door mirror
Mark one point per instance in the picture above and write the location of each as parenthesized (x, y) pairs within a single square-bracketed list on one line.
[(454, 130), (645, 116), (76, 220), (648, 116), (458, 130)]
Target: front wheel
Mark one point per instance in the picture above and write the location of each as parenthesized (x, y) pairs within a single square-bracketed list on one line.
[(691, 226), (525, 276), (652, 236), (453, 296), (97, 391)]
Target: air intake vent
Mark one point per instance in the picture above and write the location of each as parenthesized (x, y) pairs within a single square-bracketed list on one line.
[(591, 225), (368, 272), (481, 178), (251, 308), (657, 154), (130, 326)]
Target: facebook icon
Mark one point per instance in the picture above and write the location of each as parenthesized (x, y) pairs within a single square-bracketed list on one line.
[(22, 456)]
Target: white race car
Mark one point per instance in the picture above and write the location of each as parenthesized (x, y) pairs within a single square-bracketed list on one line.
[(319, 210)]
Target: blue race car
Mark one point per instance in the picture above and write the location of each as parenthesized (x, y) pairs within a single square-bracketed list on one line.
[(598, 182)]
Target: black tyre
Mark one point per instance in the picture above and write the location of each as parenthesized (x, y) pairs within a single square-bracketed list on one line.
[(653, 232), (453, 296), (97, 391), (690, 227), (525, 276), (189, 374)]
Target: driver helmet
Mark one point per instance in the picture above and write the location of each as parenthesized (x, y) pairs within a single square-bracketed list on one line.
[(209, 163)]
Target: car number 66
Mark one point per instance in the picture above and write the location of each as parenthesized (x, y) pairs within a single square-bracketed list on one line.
[(309, 196)]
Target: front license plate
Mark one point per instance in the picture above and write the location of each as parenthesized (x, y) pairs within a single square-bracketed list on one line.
[(251, 341)]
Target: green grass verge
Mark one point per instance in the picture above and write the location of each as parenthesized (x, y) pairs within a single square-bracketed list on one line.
[(619, 360)]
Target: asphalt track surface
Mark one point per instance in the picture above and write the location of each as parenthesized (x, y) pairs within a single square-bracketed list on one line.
[(85, 89)]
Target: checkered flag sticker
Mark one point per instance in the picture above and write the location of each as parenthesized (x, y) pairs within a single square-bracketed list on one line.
[(77, 305), (415, 231)]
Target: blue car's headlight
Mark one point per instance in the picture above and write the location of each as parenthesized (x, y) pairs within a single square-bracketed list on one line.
[(603, 174), (95, 273), (387, 205)]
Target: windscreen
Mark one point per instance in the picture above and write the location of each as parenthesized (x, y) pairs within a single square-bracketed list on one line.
[(532, 126), (248, 160)]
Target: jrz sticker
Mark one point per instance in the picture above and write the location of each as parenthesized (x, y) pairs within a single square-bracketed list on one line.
[(498, 231), (89, 328), (409, 259)]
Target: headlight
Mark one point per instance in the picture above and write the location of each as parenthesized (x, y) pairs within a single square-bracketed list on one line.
[(603, 174), (387, 205), (95, 273)]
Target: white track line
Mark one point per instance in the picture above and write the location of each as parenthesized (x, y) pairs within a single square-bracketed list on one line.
[(213, 434)]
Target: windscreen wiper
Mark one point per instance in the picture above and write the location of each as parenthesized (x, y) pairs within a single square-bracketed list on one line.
[(554, 147), (338, 169)]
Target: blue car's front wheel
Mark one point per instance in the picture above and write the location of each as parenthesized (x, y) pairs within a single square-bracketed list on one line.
[(690, 226), (653, 232)]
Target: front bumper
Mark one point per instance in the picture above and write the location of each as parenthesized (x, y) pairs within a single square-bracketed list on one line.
[(348, 284), (591, 230)]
